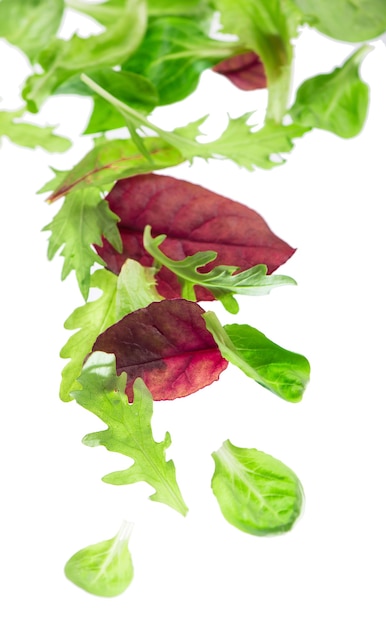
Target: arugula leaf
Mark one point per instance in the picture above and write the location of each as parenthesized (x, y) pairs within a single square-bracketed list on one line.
[(284, 373), (173, 54), (266, 27), (105, 568), (29, 135), (112, 160), (63, 59), (220, 281), (256, 493), (335, 102), (133, 289), (128, 429), (81, 222), (30, 24), (166, 344), (347, 21)]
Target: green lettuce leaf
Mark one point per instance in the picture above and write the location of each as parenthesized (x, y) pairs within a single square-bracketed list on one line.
[(82, 221), (29, 135), (65, 58), (105, 568), (30, 24), (256, 493), (128, 429), (133, 289), (221, 281), (336, 102), (284, 373)]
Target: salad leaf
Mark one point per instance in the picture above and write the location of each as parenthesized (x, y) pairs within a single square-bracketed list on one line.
[(347, 21), (246, 71), (81, 221), (105, 568), (173, 54), (195, 8), (29, 135), (128, 429), (30, 24), (194, 220), (113, 160), (65, 58), (166, 344), (335, 102), (256, 493), (266, 27), (220, 281), (284, 373), (133, 289)]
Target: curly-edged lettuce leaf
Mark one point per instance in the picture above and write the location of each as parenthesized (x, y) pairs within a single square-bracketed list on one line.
[(128, 429), (105, 568), (284, 373), (29, 135), (335, 102), (256, 493), (30, 24), (346, 20), (65, 58)]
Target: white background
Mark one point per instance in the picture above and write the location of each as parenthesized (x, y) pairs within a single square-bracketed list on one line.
[(328, 202)]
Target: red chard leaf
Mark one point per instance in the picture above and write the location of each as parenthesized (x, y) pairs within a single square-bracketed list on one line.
[(245, 71), (194, 219), (168, 345)]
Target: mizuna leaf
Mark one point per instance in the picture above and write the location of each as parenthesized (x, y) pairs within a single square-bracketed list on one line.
[(104, 569), (112, 160), (194, 220), (284, 373), (81, 222), (221, 281), (167, 345), (246, 71), (128, 429), (29, 135), (256, 493)]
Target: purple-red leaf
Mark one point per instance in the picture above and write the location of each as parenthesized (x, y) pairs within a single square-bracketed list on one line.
[(168, 345), (246, 71), (194, 219)]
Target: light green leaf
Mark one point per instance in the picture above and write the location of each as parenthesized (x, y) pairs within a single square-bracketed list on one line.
[(105, 568), (128, 429), (221, 281), (30, 24), (256, 493), (136, 288), (82, 221), (115, 159), (195, 8), (335, 102), (29, 135), (284, 373), (356, 20), (63, 59)]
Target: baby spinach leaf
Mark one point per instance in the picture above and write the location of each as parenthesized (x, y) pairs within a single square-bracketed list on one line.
[(65, 58), (30, 24), (246, 71), (194, 220), (347, 21), (133, 289), (221, 281), (128, 429), (166, 344), (29, 135), (336, 102), (284, 373), (81, 222), (256, 493), (173, 54), (112, 160), (105, 568)]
